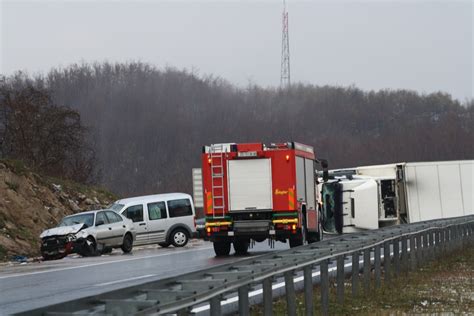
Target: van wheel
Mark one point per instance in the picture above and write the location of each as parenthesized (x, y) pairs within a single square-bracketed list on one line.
[(221, 248), (164, 244), (127, 245), (179, 237)]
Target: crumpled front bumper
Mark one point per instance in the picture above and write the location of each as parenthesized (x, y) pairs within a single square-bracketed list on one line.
[(57, 246)]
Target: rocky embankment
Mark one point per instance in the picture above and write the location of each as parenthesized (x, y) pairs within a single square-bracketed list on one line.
[(31, 203)]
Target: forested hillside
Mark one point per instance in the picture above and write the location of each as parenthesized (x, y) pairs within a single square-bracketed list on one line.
[(149, 124)]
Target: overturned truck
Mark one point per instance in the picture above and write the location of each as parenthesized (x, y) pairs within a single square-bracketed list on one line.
[(371, 197)]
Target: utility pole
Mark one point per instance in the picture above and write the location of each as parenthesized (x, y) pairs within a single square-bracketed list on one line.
[(285, 51)]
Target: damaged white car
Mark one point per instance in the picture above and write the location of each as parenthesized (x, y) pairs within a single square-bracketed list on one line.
[(88, 233)]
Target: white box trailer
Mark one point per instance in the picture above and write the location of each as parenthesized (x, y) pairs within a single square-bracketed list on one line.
[(371, 197)]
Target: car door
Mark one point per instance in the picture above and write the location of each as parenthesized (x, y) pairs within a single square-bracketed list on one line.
[(157, 221), (135, 213), (118, 227), (103, 229)]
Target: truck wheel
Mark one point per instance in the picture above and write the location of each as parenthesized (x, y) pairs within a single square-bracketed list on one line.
[(127, 245), (221, 248), (241, 247), (179, 237)]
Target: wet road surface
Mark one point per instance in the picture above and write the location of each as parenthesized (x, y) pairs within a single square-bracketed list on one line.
[(27, 286)]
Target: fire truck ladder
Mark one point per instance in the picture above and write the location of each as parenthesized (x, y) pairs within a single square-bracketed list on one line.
[(217, 182)]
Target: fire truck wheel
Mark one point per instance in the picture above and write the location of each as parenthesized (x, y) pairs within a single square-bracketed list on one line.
[(295, 242), (221, 248), (241, 247)]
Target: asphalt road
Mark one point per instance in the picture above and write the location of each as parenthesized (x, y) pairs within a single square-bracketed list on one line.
[(27, 286)]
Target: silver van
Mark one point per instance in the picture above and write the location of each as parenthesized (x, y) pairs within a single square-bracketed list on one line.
[(165, 219)]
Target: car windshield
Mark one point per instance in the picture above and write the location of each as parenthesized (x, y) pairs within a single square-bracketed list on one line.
[(115, 207), (87, 219)]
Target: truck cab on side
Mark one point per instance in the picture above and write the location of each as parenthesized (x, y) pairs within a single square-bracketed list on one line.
[(165, 219), (371, 197)]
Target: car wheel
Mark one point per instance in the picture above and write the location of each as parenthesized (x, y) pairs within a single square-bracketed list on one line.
[(164, 244), (53, 257), (221, 248), (127, 243), (89, 248), (241, 247), (179, 237)]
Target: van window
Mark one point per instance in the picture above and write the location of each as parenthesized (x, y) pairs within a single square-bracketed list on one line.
[(135, 213), (181, 207), (156, 210)]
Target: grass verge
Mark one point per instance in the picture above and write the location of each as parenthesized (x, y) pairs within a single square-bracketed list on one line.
[(445, 286)]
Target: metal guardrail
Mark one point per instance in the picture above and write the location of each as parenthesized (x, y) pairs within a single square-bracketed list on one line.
[(404, 247)]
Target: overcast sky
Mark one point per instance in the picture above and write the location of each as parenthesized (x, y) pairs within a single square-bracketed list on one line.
[(421, 45)]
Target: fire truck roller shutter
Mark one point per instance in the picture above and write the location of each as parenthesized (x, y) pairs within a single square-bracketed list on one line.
[(300, 179), (306, 191), (305, 185), (250, 184)]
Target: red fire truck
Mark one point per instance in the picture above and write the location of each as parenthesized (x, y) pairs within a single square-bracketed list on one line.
[(254, 191)]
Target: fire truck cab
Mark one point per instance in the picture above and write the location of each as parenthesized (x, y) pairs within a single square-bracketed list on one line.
[(254, 191)]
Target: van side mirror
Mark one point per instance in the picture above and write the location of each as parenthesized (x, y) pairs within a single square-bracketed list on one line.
[(101, 222)]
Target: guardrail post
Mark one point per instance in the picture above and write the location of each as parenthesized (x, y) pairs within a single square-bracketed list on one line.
[(308, 290), (464, 236), (340, 279), (438, 243), (418, 254), (405, 254), (367, 266), (290, 294), (444, 240), (432, 244), (412, 253), (377, 265), (386, 261), (458, 237), (355, 273), (267, 297), (396, 256), (244, 300), (215, 306), (426, 249), (453, 238), (450, 239), (323, 268)]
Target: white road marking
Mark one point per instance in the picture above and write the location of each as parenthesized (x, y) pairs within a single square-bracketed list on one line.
[(100, 263), (126, 280)]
